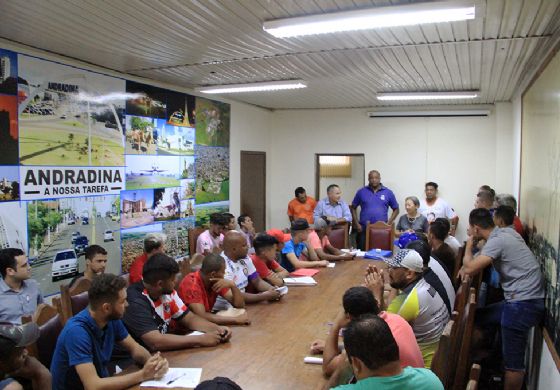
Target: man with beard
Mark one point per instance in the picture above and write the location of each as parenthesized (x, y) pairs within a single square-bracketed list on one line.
[(96, 262), (86, 343), (153, 303), (418, 302)]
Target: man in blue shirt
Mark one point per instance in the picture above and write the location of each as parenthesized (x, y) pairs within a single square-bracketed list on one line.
[(86, 343), (297, 246), (374, 201), (333, 208)]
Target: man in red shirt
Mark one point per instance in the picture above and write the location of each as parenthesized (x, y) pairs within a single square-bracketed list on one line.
[(301, 206), (153, 243), (199, 290), (264, 260)]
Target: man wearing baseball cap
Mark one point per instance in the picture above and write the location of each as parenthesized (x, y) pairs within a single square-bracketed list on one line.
[(297, 246), (418, 302), (14, 361)]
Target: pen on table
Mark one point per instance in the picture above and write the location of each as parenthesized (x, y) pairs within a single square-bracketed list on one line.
[(174, 379)]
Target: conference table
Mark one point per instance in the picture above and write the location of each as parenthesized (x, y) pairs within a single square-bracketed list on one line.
[(269, 353)]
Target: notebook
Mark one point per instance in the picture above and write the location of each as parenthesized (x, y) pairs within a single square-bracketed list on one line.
[(305, 272), (301, 281)]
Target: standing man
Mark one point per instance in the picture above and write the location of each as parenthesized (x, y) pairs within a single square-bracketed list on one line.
[(522, 282), (333, 208), (96, 262), (301, 206), (374, 201), (19, 294), (433, 207)]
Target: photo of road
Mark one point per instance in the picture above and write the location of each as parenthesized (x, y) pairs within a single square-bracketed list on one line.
[(70, 225), (69, 116)]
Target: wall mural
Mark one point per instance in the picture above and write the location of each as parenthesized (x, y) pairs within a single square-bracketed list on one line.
[(540, 184), (87, 158)]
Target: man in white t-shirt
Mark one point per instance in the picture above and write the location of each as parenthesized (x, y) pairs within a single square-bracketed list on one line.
[(210, 241), (240, 269), (433, 207)]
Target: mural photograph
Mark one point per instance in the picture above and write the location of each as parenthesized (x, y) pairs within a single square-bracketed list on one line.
[(540, 184), (87, 158), (61, 229), (68, 116)]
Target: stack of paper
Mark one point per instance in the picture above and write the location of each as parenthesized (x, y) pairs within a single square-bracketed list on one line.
[(305, 272), (177, 377), (301, 281)]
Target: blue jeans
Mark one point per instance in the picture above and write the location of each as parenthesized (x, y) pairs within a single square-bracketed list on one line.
[(515, 319)]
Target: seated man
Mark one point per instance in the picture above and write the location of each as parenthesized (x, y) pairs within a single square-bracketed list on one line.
[(357, 301), (522, 281), (293, 249), (15, 364), (434, 273), (231, 223), (96, 262), (86, 343), (319, 241), (333, 208), (153, 303), (240, 269), (380, 368), (264, 260), (210, 241), (450, 240), (440, 250), (247, 228), (19, 295), (301, 206), (419, 303), (153, 243), (199, 291)]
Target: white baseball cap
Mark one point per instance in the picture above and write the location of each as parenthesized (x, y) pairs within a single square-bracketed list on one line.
[(407, 258)]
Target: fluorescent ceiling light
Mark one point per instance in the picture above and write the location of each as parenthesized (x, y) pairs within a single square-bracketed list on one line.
[(391, 96), (366, 19), (255, 87)]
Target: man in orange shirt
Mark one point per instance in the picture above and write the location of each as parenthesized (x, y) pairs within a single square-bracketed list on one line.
[(301, 206)]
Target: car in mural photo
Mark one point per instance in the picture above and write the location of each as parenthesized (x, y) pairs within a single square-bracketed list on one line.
[(108, 236), (65, 264), (74, 236), (80, 245)]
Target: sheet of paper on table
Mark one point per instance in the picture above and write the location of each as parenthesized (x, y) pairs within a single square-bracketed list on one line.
[(305, 272), (195, 333), (184, 377), (331, 265), (302, 281)]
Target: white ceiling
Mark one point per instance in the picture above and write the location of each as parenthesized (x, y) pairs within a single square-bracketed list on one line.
[(205, 42)]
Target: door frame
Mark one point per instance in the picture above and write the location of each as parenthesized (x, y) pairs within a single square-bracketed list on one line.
[(318, 179)]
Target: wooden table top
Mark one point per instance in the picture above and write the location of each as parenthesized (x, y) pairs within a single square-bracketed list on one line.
[(268, 354)]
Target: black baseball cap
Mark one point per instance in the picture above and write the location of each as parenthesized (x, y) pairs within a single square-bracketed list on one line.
[(300, 224)]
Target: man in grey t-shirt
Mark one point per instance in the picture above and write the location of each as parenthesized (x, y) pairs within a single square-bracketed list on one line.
[(522, 283)]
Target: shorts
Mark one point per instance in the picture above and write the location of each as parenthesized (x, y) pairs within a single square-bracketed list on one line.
[(515, 319)]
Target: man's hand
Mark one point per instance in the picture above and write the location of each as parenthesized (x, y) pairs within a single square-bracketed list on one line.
[(346, 256), (242, 319), (358, 227), (323, 263), (221, 284), (374, 282), (217, 250), (341, 320), (272, 295), (209, 339), (225, 334), (155, 367), (317, 347)]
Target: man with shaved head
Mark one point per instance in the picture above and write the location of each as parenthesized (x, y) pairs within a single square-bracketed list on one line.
[(240, 269)]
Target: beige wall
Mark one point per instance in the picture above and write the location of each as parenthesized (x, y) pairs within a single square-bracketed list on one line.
[(459, 153)]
